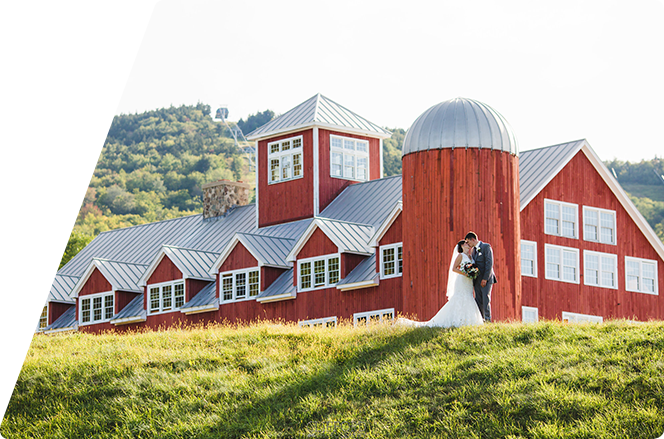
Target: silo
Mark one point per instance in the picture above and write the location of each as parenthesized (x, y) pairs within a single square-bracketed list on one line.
[(460, 173)]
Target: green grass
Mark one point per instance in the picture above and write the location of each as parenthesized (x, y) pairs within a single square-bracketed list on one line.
[(544, 380)]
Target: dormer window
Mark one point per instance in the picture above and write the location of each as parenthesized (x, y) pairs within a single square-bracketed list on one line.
[(285, 159), (349, 158), (96, 308), (166, 297)]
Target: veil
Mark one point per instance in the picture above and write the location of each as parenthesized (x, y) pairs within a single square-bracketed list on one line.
[(451, 275)]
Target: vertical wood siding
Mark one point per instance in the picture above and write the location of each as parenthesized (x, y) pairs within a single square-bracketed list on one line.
[(330, 187), (579, 183), (239, 259), (96, 283), (166, 271), (289, 200), (55, 310), (122, 299), (447, 193), (193, 287), (269, 275), (349, 262)]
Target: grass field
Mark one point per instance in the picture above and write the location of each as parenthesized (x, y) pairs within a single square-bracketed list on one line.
[(654, 192), (544, 380)]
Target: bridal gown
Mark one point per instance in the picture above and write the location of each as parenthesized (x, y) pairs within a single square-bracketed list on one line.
[(460, 310)]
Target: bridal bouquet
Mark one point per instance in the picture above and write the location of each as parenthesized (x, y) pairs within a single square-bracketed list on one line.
[(471, 270)]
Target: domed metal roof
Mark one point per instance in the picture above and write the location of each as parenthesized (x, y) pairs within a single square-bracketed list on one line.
[(460, 123)]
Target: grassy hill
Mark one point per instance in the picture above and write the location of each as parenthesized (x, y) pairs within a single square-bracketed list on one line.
[(545, 380)]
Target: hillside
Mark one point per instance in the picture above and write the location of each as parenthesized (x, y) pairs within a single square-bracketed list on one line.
[(544, 380)]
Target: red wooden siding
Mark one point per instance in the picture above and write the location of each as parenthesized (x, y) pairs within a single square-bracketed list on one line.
[(289, 200), (122, 299), (166, 271), (30, 295), (553, 297), (55, 310), (269, 275), (239, 259), (349, 262), (394, 233), (317, 245), (96, 283), (447, 193), (193, 287), (330, 187)]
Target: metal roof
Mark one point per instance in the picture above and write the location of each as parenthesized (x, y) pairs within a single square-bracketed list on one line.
[(56, 287), (351, 237), (133, 310), (291, 230), (65, 321), (322, 111), (366, 203), (6, 326), (364, 272), (214, 234), (267, 249), (192, 263), (283, 286), (537, 167), (205, 298), (460, 123), (122, 276)]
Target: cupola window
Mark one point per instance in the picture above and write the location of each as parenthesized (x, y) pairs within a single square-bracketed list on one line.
[(285, 159), (349, 158)]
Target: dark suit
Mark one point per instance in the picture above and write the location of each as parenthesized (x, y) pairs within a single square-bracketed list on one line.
[(483, 258)]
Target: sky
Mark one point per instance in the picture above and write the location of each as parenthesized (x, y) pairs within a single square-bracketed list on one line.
[(556, 70)]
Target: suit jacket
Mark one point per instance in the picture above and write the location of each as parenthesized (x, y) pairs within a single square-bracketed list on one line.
[(484, 260)]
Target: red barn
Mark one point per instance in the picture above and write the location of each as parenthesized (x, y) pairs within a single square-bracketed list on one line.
[(329, 239)]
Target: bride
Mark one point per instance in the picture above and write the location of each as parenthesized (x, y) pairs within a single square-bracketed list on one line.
[(461, 308)]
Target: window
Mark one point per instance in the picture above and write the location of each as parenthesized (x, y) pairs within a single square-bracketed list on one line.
[(391, 260), (166, 297), (600, 269), (599, 225), (31, 318), (529, 314), (240, 285), (373, 317), (528, 258), (562, 263), (327, 322), (571, 317), (97, 308), (641, 275), (349, 158), (318, 272), (560, 219), (285, 159)]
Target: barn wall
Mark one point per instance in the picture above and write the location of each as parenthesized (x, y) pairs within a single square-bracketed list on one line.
[(96, 283), (269, 275), (239, 259), (317, 245), (289, 200), (394, 233), (193, 287), (166, 271), (553, 297), (349, 262), (55, 310), (122, 299)]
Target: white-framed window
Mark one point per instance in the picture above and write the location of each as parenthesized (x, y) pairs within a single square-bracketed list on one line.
[(372, 317), (31, 318), (349, 158), (284, 160), (165, 297), (572, 317), (641, 275), (327, 322), (528, 258), (600, 269), (391, 260), (96, 308), (239, 284), (319, 272), (561, 219), (529, 314), (562, 263), (599, 225)]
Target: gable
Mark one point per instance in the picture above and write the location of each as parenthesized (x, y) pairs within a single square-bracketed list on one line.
[(96, 283), (318, 244), (165, 271), (31, 294), (393, 233), (238, 259)]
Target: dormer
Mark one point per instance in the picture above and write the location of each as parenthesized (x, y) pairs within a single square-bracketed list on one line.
[(308, 155)]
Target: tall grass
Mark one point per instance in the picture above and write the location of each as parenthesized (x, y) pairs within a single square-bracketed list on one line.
[(544, 380)]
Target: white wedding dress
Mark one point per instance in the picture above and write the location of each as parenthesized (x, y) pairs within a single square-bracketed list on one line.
[(461, 308)]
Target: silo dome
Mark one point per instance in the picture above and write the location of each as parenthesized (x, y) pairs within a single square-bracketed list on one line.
[(460, 123)]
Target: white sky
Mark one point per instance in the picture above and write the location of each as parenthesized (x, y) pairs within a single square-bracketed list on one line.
[(557, 70)]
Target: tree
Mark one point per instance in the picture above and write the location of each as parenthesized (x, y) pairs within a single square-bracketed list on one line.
[(255, 121), (77, 241)]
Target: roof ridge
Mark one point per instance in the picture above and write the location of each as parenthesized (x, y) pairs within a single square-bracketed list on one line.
[(318, 97), (264, 236), (115, 261), (189, 248), (557, 144), (342, 221), (151, 223)]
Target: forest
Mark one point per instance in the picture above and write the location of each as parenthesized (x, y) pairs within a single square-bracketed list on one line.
[(153, 164)]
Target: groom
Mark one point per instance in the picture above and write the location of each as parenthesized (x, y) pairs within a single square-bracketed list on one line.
[(482, 255)]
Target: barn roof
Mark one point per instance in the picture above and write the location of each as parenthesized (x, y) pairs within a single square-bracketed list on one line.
[(205, 300), (131, 313), (281, 289), (193, 264), (56, 287), (123, 276), (362, 276), (319, 111), (267, 250), (348, 237), (66, 322)]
